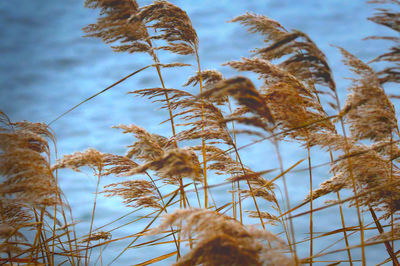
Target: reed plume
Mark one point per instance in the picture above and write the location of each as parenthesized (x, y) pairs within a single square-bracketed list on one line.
[(112, 26), (302, 57), (221, 240), (371, 115), (29, 195), (136, 193), (368, 110), (390, 18)]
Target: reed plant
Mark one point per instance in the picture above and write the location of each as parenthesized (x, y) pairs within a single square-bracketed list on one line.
[(174, 182)]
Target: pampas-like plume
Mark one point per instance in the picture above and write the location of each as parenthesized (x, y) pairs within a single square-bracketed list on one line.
[(125, 23), (387, 148), (334, 184), (390, 19), (221, 162), (173, 164), (371, 171), (302, 58), (191, 109), (24, 162), (159, 155), (14, 215), (244, 91), (136, 193), (270, 218), (211, 127), (385, 16), (290, 102), (28, 186), (173, 24), (368, 110), (175, 100), (305, 61), (100, 235), (90, 157), (270, 28), (148, 146), (292, 110), (113, 25), (221, 240), (209, 78), (102, 164)]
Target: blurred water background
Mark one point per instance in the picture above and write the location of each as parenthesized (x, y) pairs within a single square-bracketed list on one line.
[(47, 67)]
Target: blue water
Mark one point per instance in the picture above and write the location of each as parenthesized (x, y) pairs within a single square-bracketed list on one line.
[(47, 67)]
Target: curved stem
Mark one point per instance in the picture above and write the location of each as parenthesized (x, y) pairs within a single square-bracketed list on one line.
[(203, 142), (91, 222)]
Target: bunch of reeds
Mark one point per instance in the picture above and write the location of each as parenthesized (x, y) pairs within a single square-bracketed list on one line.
[(179, 176)]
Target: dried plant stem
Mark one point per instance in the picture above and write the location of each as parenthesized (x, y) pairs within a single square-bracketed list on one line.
[(356, 199), (197, 194), (347, 154), (145, 229), (237, 182), (311, 203), (6, 242), (234, 214), (346, 240), (100, 256), (337, 193), (166, 98), (171, 118), (292, 239), (391, 180), (39, 243), (54, 227), (177, 243), (87, 259), (250, 188), (72, 255), (240, 202), (97, 94), (172, 125), (44, 242), (55, 206), (58, 196), (342, 218), (36, 242), (203, 142), (387, 244)]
